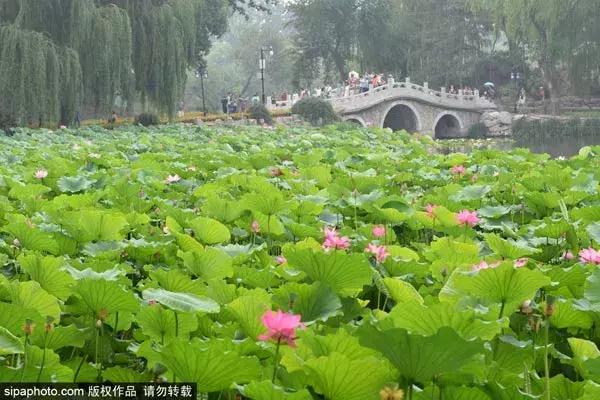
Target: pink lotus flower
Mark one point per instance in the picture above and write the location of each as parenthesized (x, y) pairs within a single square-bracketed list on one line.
[(94, 155), (521, 262), (484, 265), (334, 241), (458, 170), (173, 179), (281, 260), (255, 226), (466, 217), (379, 231), (281, 326), (380, 252), (40, 174), (567, 255), (63, 127), (589, 256), (429, 209)]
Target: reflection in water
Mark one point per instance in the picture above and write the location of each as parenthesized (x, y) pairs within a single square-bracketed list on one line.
[(554, 145)]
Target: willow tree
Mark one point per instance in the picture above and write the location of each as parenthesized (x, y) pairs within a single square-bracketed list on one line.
[(32, 77), (555, 34), (95, 51)]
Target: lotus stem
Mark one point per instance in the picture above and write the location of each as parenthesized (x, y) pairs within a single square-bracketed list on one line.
[(43, 358), (546, 366), (276, 360), (79, 367)]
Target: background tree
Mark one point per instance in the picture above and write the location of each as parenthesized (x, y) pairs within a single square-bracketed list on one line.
[(556, 35), (106, 50), (326, 32)]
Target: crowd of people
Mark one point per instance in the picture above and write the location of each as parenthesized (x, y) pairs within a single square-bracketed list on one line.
[(231, 103)]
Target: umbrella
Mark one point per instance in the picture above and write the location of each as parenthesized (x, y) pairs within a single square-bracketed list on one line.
[(489, 84)]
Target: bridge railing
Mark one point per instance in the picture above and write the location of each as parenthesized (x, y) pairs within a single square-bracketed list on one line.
[(358, 100), (423, 92)]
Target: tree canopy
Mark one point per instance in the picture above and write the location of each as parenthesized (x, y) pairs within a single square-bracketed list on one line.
[(60, 55)]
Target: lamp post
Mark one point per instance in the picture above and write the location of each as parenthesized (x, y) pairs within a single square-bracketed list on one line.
[(202, 73), (262, 65), (515, 76)]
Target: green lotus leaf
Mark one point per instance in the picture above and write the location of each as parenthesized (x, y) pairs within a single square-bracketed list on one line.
[(339, 378), (314, 302), (223, 210), (162, 325), (187, 243), (30, 295), (505, 285), (53, 370), (401, 291), (345, 273), (208, 264), (566, 316), (268, 225), (59, 337), (493, 211), (265, 390), (248, 309), (99, 297), (74, 184), (470, 193), (184, 302), (95, 225), (47, 271), (427, 320), (508, 249), (464, 393), (175, 280), (207, 365), (210, 231), (583, 350), (32, 238), (418, 358), (594, 231), (13, 317), (553, 229), (9, 343), (269, 202), (591, 390)]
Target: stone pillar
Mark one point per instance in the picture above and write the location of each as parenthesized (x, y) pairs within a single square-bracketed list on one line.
[(460, 92), (443, 89), (407, 80), (426, 85)]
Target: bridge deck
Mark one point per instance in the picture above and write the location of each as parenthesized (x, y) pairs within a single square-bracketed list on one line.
[(410, 91)]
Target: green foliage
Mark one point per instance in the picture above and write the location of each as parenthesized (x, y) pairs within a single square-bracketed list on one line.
[(316, 111), (478, 130), (260, 112), (103, 260), (147, 119)]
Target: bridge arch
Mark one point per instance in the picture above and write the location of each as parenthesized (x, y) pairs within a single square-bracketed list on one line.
[(447, 124), (401, 115), (356, 119)]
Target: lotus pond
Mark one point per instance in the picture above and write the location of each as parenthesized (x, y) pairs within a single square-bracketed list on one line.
[(298, 264)]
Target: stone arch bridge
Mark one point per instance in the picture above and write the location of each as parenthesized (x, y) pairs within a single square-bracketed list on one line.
[(415, 108)]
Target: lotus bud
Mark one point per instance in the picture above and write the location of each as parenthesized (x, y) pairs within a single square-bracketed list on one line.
[(16, 243), (48, 327), (549, 310), (526, 307), (98, 323), (103, 314), (28, 327)]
